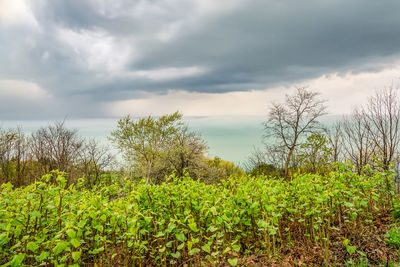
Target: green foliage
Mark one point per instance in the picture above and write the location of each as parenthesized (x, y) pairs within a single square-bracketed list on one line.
[(183, 221), (314, 154), (393, 237), (218, 169), (264, 169), (155, 147)]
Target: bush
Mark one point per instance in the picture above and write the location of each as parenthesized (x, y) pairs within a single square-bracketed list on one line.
[(183, 221)]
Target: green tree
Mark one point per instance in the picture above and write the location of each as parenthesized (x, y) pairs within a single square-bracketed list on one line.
[(155, 147), (315, 154)]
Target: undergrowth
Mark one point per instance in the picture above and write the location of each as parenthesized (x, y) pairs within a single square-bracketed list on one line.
[(312, 219)]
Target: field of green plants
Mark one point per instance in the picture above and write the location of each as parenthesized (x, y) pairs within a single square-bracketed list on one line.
[(332, 219)]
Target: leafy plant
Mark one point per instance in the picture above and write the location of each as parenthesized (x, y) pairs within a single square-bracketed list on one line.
[(183, 221)]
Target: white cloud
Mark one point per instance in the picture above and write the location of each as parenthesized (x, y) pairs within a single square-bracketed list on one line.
[(193, 104), (17, 90), (342, 92), (207, 7), (166, 73), (99, 50), (17, 11)]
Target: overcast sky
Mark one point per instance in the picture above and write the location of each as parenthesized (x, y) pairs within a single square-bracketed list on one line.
[(86, 59)]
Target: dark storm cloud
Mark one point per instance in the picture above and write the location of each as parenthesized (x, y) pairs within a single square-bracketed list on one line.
[(85, 53)]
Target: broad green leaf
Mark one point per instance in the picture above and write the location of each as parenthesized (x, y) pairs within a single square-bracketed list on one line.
[(71, 233), (43, 255), (76, 255), (181, 237), (194, 251), (17, 260), (351, 249), (96, 251), (75, 242), (207, 248), (193, 227), (176, 255), (233, 262), (32, 246), (236, 247), (60, 247)]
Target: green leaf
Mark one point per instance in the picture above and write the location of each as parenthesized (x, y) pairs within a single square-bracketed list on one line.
[(75, 242), (71, 233), (212, 229), (207, 248), (236, 248), (32, 246), (194, 251), (351, 249), (171, 227), (42, 256), (233, 262), (96, 251), (193, 227), (160, 234), (76, 255), (181, 246), (176, 255), (181, 237), (35, 214), (16, 261), (60, 247), (4, 239)]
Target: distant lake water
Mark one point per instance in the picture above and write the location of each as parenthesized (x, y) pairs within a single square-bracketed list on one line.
[(228, 137)]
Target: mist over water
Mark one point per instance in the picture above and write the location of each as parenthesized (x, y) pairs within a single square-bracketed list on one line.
[(229, 137)]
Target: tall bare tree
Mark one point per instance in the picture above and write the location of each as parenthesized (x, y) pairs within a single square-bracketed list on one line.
[(334, 135), (7, 138), (290, 122), (357, 142), (94, 159), (21, 156), (382, 120), (56, 147)]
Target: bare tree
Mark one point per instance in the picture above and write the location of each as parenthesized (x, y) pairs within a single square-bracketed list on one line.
[(357, 142), (293, 120), (21, 156), (7, 138), (334, 135), (56, 147), (382, 121), (94, 159)]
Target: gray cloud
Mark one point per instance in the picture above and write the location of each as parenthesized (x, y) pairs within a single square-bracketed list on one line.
[(85, 53)]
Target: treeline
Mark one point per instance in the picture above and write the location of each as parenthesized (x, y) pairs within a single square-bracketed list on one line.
[(154, 147), (296, 141), (27, 157)]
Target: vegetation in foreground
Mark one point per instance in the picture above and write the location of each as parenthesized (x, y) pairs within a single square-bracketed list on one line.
[(333, 219)]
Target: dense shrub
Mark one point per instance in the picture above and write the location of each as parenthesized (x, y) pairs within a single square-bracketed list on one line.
[(185, 221)]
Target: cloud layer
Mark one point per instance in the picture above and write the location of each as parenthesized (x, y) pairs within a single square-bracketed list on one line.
[(102, 58)]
